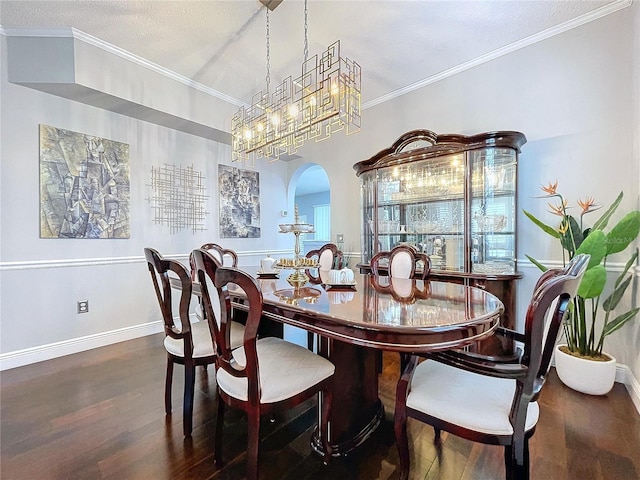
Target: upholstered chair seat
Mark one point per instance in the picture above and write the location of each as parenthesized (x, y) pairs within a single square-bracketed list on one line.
[(467, 399), (286, 369), (202, 341)]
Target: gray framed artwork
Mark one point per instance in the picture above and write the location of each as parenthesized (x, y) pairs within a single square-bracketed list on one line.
[(239, 202), (84, 186)]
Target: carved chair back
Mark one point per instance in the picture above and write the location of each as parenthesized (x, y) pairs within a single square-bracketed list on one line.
[(402, 261)]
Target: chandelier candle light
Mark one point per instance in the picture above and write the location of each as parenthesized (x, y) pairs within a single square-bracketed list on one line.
[(323, 100)]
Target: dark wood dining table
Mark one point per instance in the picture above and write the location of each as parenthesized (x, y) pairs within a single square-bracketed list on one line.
[(354, 322)]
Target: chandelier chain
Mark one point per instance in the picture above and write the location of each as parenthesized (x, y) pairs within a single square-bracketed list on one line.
[(322, 101), (268, 78), (306, 32)]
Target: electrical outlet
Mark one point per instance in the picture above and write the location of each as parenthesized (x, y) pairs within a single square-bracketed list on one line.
[(340, 237), (83, 306)]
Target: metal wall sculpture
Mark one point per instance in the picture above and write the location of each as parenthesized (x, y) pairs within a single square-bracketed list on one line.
[(239, 202), (84, 185), (179, 197)]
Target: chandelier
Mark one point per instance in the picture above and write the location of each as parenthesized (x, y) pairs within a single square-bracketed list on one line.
[(323, 100)]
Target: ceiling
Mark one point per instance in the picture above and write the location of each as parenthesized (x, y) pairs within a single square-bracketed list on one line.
[(222, 43), (399, 44)]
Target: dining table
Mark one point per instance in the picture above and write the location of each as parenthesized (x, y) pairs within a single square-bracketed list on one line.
[(357, 320)]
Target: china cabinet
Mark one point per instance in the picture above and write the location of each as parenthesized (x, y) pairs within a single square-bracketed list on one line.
[(452, 197)]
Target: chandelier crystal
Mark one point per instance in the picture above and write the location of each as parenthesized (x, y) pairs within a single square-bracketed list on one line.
[(323, 100)]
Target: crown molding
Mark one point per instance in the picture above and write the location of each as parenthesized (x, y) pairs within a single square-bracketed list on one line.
[(525, 42), (68, 32), (532, 39)]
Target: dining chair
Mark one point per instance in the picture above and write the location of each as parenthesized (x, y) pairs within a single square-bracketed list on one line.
[(189, 344), (222, 255), (402, 261), (484, 401), (328, 257), (225, 256), (403, 290), (263, 375)]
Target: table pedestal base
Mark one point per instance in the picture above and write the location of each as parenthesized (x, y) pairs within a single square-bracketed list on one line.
[(356, 410), (343, 448)]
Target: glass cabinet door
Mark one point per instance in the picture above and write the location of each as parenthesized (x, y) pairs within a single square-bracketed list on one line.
[(419, 204), (450, 196), (493, 210), (369, 228), (431, 199)]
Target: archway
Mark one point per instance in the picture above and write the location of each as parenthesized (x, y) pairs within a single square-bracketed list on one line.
[(311, 192)]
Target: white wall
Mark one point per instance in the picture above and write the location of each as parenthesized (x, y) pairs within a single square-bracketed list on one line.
[(575, 97), (42, 279)]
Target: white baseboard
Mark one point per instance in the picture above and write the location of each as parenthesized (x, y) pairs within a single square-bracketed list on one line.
[(625, 375), (40, 353)]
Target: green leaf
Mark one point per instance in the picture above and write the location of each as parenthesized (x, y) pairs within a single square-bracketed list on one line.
[(619, 321), (596, 246), (625, 232), (572, 238), (601, 223), (611, 302), (550, 230), (631, 261), (537, 263), (593, 282)]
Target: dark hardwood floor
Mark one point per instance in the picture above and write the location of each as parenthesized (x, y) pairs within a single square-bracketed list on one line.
[(100, 415)]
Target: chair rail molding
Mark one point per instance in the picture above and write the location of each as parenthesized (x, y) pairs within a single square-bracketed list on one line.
[(88, 262)]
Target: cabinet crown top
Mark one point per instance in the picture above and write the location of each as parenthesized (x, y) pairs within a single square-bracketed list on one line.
[(426, 144)]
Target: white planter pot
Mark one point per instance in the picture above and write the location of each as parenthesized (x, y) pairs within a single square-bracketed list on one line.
[(586, 376)]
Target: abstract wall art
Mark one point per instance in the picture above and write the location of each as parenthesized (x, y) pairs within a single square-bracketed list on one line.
[(84, 185), (179, 198), (239, 202)]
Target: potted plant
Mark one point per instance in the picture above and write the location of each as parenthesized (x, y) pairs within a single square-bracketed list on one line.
[(589, 320)]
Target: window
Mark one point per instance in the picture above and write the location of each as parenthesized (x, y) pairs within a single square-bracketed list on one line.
[(322, 221)]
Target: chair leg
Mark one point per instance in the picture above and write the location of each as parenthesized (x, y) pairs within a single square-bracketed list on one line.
[(218, 438), (516, 460), (437, 439), (167, 386), (404, 360), (310, 337), (508, 463), (253, 441), (189, 387), (324, 424), (400, 429)]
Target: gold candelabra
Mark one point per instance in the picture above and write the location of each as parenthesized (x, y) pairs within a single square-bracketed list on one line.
[(298, 263)]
